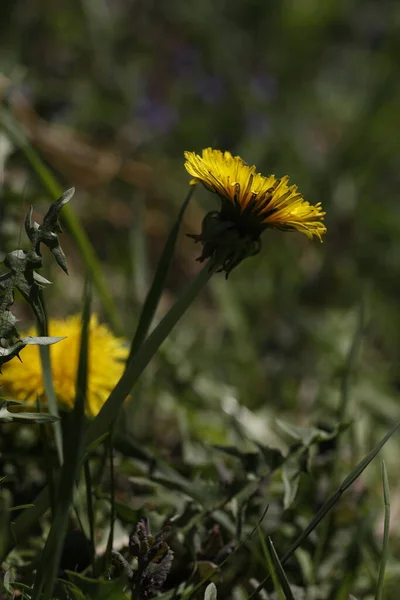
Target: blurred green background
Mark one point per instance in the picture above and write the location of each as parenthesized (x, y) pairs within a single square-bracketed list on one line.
[(112, 93)]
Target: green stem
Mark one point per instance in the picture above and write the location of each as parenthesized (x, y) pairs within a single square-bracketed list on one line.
[(270, 565), (136, 366), (47, 374), (51, 399)]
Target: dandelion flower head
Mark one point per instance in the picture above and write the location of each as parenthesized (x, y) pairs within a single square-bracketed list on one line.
[(106, 356), (250, 203)]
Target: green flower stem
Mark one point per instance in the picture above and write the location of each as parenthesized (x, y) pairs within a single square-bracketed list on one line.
[(16, 135), (136, 366), (47, 373), (106, 417), (51, 399)]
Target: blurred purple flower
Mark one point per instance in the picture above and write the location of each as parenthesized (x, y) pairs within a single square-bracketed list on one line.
[(156, 115), (263, 87), (210, 89), (186, 61), (257, 123)]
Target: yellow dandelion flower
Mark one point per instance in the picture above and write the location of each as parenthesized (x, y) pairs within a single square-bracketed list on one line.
[(250, 203), (105, 365)]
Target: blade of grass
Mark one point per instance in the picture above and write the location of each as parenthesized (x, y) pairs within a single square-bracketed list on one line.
[(48, 466), (138, 265), (90, 512), (356, 472), (5, 501), (353, 557), (154, 294), (350, 362), (49, 563), (68, 217), (344, 396), (25, 520), (110, 540), (281, 573), (270, 565), (385, 542)]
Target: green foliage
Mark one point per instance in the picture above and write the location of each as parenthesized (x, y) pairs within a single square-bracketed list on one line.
[(255, 404), (7, 416), (22, 276)]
